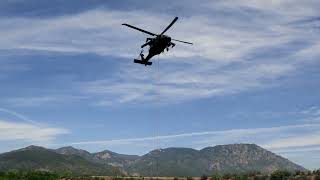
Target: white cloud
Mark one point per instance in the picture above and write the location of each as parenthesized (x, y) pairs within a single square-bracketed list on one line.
[(27, 132), (99, 31), (206, 71), (209, 138), (297, 149), (311, 114), (295, 141), (42, 100), (301, 138), (293, 9), (95, 31), (175, 86), (231, 54), (310, 53), (312, 111), (18, 115)]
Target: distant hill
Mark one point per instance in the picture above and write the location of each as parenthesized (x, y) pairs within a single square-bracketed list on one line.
[(233, 158), (39, 158), (170, 162), (244, 158), (103, 157), (115, 159), (69, 150)]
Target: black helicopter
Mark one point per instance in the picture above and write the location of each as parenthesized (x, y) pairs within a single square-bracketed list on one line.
[(157, 44)]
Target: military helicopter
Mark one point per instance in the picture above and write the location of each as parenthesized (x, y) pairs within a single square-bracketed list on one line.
[(157, 44)]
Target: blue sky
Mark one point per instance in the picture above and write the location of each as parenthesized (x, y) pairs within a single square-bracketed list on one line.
[(252, 76)]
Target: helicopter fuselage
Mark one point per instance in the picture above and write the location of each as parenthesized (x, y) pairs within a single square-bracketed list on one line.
[(156, 46), (159, 44)]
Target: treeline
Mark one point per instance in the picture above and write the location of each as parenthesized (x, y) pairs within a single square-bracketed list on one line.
[(276, 175), (32, 175)]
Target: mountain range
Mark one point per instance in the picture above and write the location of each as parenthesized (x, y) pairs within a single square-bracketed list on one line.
[(233, 158), (39, 158)]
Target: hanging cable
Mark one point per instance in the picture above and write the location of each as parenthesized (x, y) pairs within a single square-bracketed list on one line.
[(156, 125)]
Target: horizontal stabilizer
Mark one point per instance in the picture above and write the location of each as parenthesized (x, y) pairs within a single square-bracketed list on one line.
[(142, 62)]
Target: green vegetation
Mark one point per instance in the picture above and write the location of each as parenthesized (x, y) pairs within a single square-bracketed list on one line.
[(279, 175), (32, 175), (203, 177), (276, 175), (38, 158), (224, 160), (234, 162)]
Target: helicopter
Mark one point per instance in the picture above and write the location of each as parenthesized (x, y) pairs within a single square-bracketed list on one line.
[(157, 44)]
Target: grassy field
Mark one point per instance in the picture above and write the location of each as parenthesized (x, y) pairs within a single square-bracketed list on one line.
[(277, 175)]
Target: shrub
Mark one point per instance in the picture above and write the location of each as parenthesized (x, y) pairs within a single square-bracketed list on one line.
[(203, 177), (260, 177), (301, 178), (215, 177), (189, 178), (227, 176), (32, 175), (279, 175), (297, 172), (241, 177)]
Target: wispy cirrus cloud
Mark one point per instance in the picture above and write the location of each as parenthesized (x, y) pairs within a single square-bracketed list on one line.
[(236, 55), (28, 132), (97, 31), (18, 115), (305, 140), (37, 101), (311, 114), (241, 47), (311, 111), (259, 136), (168, 86), (25, 130), (283, 139)]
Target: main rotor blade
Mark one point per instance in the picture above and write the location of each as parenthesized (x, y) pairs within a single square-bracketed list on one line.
[(133, 27), (174, 20), (182, 41)]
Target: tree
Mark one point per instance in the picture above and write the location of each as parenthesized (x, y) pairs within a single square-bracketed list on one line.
[(280, 175), (215, 177), (316, 177), (241, 177), (189, 178), (203, 177)]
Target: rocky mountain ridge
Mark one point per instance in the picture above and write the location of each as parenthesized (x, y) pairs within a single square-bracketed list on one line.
[(233, 158)]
